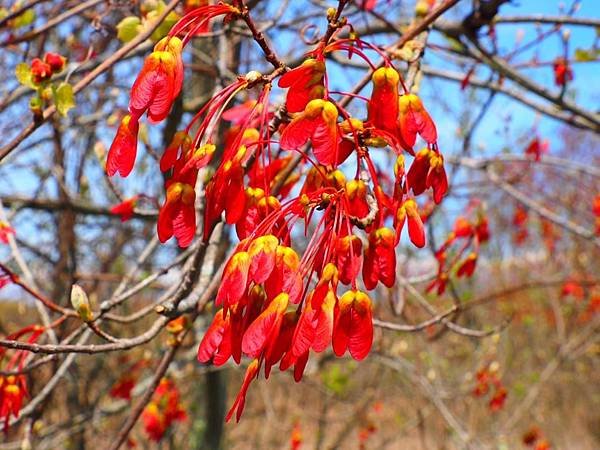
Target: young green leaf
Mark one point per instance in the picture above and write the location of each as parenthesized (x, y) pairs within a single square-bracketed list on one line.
[(64, 98)]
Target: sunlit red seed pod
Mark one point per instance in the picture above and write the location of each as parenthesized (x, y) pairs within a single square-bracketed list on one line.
[(278, 347), (353, 325), (414, 119), (13, 389), (240, 400), (328, 281), (467, 267), (177, 216), (383, 105), (439, 284), (235, 280), (285, 277), (356, 195), (436, 177), (304, 83), (349, 257), (125, 209), (416, 177), (409, 211), (318, 122), (123, 150), (427, 171), (200, 157), (159, 81), (380, 259), (315, 326), (216, 346), (243, 314), (265, 328), (251, 216), (178, 148), (263, 255)]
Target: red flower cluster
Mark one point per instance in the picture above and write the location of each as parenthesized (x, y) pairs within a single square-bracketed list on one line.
[(124, 385), (277, 305), (42, 70), (472, 233), (164, 409), (13, 388), (5, 231), (487, 378), (537, 147), (562, 71), (125, 209)]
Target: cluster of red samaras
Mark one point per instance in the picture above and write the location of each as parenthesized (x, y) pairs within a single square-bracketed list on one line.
[(271, 311), (548, 232), (13, 388), (164, 409), (487, 379), (471, 233), (590, 300)]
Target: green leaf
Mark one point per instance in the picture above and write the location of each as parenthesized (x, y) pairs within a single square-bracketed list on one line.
[(36, 105), (64, 98), (164, 28), (23, 74), (24, 19), (166, 24), (583, 55), (128, 28), (455, 44)]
